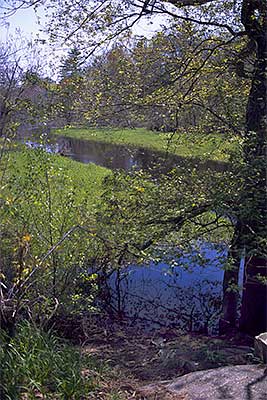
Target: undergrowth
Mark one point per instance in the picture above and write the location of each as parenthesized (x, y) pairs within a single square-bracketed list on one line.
[(36, 364)]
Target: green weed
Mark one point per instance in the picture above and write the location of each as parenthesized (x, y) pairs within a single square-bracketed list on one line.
[(35, 362)]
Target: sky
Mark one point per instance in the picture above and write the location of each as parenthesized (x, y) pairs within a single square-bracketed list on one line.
[(24, 23)]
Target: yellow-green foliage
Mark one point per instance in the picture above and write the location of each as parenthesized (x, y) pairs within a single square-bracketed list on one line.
[(86, 177), (46, 202)]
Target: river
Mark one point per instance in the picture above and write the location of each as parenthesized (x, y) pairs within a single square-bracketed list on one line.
[(187, 296), (114, 156)]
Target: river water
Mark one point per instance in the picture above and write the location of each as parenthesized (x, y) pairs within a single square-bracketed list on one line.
[(188, 295), (114, 156)]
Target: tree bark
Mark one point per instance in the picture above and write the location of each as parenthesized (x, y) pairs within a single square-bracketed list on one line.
[(254, 309), (228, 321), (250, 231), (253, 213)]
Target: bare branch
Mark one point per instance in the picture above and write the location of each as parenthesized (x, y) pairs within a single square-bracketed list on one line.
[(184, 3)]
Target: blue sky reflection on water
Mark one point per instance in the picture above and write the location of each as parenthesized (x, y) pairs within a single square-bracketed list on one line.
[(188, 298)]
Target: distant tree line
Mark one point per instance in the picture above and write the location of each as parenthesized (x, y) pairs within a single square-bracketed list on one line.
[(156, 83)]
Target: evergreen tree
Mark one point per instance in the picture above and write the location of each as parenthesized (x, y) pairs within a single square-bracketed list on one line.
[(71, 64), (70, 85)]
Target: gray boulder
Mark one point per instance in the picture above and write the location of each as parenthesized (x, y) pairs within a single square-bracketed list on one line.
[(242, 382), (239, 382), (260, 345)]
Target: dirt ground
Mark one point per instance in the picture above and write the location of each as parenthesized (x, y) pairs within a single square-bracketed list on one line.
[(138, 359)]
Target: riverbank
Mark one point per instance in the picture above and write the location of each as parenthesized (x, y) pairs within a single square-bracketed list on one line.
[(137, 358), (212, 147), (112, 363), (85, 178)]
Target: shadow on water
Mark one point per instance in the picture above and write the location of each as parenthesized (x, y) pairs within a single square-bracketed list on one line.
[(187, 295), (114, 156)]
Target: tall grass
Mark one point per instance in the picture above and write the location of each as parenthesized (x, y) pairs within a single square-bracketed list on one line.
[(38, 365), (35, 363)]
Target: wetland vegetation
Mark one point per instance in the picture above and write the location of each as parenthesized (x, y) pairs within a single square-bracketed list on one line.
[(112, 277)]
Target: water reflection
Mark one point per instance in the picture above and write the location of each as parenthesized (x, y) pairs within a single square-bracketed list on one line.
[(100, 153), (116, 156), (160, 295)]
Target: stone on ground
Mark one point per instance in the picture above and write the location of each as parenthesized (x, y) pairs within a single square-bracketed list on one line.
[(239, 382), (261, 347)]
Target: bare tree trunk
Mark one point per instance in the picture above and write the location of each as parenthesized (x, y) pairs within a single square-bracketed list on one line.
[(254, 310), (251, 232)]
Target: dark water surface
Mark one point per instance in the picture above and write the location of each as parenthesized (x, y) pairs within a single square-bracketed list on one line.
[(116, 156)]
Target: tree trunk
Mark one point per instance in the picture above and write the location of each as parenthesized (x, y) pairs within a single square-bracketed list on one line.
[(228, 321), (253, 212), (254, 310)]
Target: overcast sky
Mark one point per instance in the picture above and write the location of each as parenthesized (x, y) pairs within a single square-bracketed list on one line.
[(24, 23), (27, 22)]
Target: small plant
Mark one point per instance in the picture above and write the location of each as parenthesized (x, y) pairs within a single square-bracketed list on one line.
[(214, 356), (35, 362)]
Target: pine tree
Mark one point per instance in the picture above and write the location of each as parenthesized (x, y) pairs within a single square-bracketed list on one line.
[(71, 64)]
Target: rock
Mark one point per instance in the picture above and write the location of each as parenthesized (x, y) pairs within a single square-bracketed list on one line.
[(239, 382), (178, 359), (261, 346)]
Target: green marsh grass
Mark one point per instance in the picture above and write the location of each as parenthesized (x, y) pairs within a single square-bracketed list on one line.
[(85, 178)]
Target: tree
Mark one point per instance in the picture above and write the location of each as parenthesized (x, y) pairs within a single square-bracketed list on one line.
[(253, 219), (24, 91), (70, 87), (71, 65), (11, 74), (161, 96), (246, 25)]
